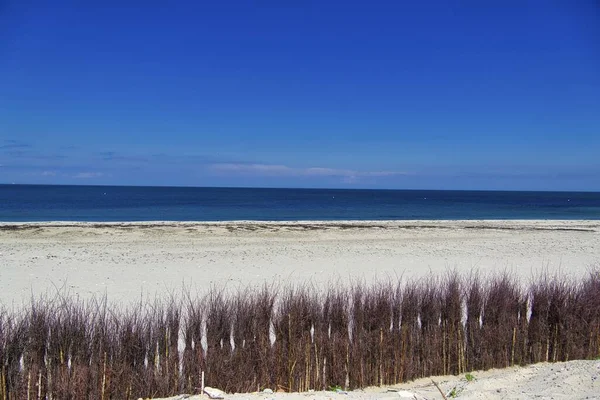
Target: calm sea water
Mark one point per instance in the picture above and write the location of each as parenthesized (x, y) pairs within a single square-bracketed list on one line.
[(112, 203)]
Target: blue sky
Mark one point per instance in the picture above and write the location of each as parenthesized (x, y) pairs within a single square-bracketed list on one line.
[(436, 95)]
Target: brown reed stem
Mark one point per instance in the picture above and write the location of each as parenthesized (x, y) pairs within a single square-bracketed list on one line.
[(3, 384), (380, 356), (514, 343), (103, 377), (439, 389), (28, 384)]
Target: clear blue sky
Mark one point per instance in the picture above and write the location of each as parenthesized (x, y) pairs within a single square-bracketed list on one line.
[(396, 94)]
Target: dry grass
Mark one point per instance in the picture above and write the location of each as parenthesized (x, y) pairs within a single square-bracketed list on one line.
[(296, 338)]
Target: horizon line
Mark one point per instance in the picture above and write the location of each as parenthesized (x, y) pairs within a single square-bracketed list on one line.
[(297, 188)]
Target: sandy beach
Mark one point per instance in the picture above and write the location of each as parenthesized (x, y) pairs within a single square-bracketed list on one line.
[(127, 260)]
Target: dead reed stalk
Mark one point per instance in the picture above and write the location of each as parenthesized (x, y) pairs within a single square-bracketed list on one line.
[(294, 339)]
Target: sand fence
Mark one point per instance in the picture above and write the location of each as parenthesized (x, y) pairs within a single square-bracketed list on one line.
[(295, 338)]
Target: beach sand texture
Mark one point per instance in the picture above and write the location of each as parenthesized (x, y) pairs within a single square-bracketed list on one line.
[(128, 260)]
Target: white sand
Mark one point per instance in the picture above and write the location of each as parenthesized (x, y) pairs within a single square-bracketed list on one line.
[(126, 260)]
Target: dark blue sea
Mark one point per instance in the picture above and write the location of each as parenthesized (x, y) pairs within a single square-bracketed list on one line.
[(22, 203)]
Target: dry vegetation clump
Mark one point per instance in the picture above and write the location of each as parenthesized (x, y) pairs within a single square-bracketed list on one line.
[(296, 338), (500, 322), (333, 340), (371, 341)]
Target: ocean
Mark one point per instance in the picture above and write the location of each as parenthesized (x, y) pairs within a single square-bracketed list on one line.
[(26, 203)]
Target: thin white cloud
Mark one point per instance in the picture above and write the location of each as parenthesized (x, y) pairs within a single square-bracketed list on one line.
[(384, 173), (252, 168), (318, 171), (88, 175), (48, 173), (284, 170)]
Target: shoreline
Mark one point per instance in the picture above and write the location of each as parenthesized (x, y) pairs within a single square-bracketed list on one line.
[(417, 223)]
